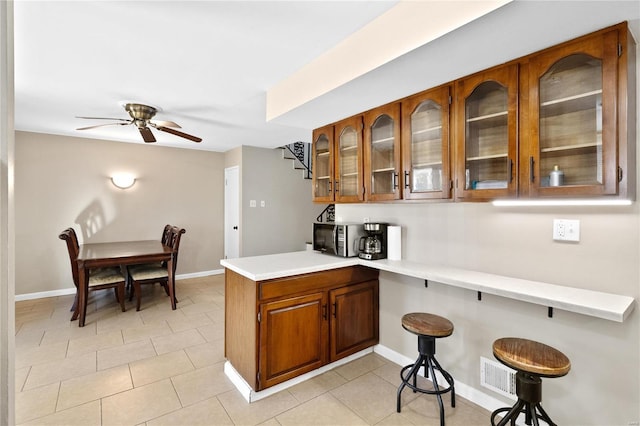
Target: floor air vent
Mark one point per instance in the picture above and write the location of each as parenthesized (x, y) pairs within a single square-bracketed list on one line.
[(497, 377)]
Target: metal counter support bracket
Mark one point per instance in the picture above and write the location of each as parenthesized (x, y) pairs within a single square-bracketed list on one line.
[(550, 312), (479, 295), (426, 283)]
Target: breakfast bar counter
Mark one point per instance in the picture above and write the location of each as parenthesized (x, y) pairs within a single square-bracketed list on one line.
[(587, 302)]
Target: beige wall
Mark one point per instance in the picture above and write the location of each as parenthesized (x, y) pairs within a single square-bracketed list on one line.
[(285, 224), (602, 387), (62, 182)]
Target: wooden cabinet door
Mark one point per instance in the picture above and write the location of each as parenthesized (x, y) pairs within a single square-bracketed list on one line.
[(348, 186), (425, 145), (486, 134), (572, 118), (382, 159), (354, 319), (323, 160), (293, 338)]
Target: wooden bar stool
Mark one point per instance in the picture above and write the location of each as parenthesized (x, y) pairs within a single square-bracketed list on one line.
[(428, 327), (532, 360)]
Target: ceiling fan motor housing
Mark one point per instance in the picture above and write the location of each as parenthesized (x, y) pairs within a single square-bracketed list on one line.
[(140, 113)]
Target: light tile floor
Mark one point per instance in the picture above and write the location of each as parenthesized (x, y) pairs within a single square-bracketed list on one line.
[(164, 367)]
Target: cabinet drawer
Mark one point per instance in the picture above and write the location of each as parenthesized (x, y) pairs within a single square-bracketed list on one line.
[(299, 284)]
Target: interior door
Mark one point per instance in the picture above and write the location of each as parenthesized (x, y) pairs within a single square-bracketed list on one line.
[(231, 212)]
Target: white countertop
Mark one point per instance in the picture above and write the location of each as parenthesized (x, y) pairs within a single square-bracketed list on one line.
[(593, 303)]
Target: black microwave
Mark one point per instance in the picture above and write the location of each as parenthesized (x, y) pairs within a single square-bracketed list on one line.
[(339, 239)]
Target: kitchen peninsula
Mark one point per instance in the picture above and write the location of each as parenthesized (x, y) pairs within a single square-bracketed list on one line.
[(253, 279)]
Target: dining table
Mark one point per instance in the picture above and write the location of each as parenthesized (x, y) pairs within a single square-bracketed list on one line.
[(122, 253)]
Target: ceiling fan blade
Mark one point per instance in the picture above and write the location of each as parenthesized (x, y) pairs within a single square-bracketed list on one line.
[(177, 133), (146, 134), (106, 118), (101, 125), (160, 123)]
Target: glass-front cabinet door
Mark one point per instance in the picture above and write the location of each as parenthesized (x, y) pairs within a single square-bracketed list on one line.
[(382, 153), (572, 112), (323, 164), (487, 134), (348, 163), (425, 145)]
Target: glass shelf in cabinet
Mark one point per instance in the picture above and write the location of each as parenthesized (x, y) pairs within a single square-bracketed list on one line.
[(571, 147), (428, 164), (487, 157), (384, 170), (383, 140), (429, 129), (490, 120), (580, 102)]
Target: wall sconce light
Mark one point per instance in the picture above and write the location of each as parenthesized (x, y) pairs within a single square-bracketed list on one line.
[(123, 180)]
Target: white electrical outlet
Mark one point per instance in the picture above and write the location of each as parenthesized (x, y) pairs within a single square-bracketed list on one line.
[(252, 203), (566, 230)]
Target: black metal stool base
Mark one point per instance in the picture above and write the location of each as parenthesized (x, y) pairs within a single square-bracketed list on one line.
[(529, 391), (427, 349)]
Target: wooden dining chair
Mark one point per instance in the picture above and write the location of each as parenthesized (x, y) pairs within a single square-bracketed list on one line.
[(164, 239), (99, 279), (156, 273)]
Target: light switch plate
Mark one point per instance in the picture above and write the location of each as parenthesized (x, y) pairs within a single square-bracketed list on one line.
[(566, 230), (252, 203)]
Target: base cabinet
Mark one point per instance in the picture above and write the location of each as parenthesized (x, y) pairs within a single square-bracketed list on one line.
[(298, 324)]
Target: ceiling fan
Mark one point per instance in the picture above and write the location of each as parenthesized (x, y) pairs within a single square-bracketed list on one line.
[(142, 116)]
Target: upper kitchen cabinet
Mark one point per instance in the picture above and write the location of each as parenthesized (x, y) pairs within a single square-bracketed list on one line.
[(337, 162), (577, 97), (348, 162), (382, 153), (323, 153), (486, 134), (425, 145)]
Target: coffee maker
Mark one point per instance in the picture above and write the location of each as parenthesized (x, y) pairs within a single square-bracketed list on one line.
[(374, 244)]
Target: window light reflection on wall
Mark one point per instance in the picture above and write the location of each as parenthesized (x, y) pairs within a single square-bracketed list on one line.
[(123, 180)]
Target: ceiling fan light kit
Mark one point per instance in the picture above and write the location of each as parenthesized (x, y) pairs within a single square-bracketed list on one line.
[(142, 117)]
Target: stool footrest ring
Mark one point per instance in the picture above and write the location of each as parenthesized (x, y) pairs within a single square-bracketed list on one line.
[(431, 365)]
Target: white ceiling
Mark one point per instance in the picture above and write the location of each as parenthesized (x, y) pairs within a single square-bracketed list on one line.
[(210, 64)]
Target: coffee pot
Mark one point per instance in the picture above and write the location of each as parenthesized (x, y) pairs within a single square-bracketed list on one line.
[(373, 245)]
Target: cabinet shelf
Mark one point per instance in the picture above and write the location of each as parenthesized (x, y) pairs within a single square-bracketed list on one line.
[(487, 157), (386, 169), (349, 174), (322, 154), (571, 147), (428, 164), (569, 104), (429, 129), (322, 177), (487, 116), (383, 140), (349, 148)]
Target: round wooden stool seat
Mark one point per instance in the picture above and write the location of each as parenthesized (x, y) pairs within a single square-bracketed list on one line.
[(427, 324), (531, 357)]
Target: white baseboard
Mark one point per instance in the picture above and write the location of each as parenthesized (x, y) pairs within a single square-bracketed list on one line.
[(251, 396), (67, 291), (43, 294), (199, 274)]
